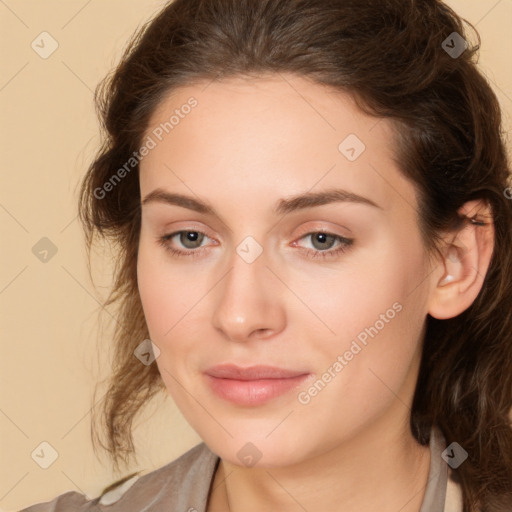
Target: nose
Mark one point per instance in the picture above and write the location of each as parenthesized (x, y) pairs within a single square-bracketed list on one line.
[(249, 301)]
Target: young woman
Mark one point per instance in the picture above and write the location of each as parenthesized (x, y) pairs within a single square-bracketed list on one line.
[(309, 199)]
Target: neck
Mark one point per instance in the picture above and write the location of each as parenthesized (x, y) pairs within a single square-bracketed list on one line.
[(386, 472)]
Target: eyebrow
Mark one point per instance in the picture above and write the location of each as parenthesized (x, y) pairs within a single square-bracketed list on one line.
[(283, 206)]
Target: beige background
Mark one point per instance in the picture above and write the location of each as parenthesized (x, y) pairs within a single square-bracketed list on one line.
[(49, 321)]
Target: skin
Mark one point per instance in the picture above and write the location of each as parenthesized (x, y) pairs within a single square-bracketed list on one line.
[(244, 147)]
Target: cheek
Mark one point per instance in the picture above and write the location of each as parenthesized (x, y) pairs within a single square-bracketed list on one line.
[(166, 293), (380, 291), (168, 303), (362, 371), (174, 302), (156, 296), (375, 315)]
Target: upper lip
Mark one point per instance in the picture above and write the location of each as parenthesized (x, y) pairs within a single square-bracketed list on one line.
[(232, 371)]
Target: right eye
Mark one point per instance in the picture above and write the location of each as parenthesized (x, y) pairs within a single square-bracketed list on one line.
[(189, 240)]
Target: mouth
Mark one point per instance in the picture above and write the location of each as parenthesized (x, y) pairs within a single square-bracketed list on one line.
[(252, 386)]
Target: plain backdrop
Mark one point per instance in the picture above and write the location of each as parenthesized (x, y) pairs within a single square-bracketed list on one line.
[(49, 308)]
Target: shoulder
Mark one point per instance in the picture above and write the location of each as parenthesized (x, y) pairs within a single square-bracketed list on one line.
[(184, 482)]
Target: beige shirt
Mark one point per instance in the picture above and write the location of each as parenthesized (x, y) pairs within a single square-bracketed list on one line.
[(184, 485)]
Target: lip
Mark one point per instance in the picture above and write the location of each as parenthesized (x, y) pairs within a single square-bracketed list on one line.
[(254, 385), (232, 371)]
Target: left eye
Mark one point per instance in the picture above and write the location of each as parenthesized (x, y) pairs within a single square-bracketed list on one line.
[(324, 240), (323, 243), (189, 239)]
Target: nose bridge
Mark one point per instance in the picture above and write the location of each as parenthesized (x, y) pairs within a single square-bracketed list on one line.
[(246, 303)]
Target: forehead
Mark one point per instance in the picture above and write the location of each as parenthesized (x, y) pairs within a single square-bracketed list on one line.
[(280, 132), (303, 107)]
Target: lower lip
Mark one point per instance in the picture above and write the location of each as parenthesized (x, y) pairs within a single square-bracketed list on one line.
[(253, 392)]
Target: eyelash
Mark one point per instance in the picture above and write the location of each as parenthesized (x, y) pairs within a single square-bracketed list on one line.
[(310, 253)]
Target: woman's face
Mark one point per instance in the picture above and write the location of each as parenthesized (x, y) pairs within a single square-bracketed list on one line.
[(259, 284)]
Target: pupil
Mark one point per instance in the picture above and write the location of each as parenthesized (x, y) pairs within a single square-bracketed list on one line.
[(189, 238), (321, 239)]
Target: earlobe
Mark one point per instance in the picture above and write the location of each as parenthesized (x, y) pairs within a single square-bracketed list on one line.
[(466, 258)]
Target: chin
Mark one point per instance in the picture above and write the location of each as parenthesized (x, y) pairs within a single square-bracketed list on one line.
[(252, 449)]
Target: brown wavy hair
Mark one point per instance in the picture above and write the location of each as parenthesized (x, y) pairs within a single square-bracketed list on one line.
[(390, 57)]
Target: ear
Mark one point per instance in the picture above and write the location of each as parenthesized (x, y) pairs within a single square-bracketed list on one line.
[(458, 278)]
